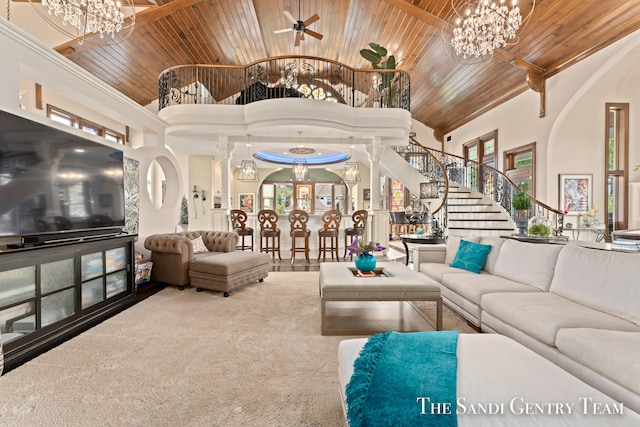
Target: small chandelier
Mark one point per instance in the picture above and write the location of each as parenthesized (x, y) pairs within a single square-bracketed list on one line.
[(299, 171), (101, 17), (351, 173), (248, 170), (482, 26)]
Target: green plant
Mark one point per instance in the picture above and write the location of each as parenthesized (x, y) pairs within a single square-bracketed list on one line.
[(521, 201), (539, 230), (183, 217), (379, 60)]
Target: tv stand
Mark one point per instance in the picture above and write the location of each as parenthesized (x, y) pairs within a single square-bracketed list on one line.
[(51, 292)]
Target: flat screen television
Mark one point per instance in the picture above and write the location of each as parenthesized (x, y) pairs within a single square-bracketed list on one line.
[(55, 184)]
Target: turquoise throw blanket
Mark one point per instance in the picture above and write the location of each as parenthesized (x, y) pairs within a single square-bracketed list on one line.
[(404, 379)]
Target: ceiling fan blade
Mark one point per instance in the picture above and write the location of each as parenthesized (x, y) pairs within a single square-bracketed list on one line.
[(311, 20), (290, 17), (313, 34), (298, 38), (285, 30)]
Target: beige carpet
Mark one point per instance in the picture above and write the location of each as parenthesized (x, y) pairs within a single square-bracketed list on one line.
[(192, 359)]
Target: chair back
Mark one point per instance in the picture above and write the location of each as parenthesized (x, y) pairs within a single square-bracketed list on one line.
[(268, 220), (238, 219), (331, 220), (419, 217), (398, 217), (298, 220), (359, 219)]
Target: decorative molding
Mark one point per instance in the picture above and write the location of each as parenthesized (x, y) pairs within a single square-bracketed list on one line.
[(536, 79), (15, 33)]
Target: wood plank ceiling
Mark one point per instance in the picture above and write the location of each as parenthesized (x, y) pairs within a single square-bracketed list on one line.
[(444, 94)]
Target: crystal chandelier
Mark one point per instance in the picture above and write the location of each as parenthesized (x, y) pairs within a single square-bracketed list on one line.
[(299, 171), (80, 18), (482, 26)]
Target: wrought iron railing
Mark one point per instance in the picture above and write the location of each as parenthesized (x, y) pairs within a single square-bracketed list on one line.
[(433, 169), (484, 179), (284, 77)]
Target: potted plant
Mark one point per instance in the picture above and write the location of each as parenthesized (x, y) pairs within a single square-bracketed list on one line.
[(522, 205), (379, 60), (539, 229), (365, 261), (183, 216)]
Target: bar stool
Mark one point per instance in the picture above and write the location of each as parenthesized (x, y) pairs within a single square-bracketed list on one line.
[(330, 229), (359, 219), (298, 220), (239, 225), (399, 224), (269, 232)]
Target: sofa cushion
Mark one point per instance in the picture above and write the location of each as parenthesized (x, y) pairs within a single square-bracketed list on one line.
[(543, 314), (471, 256), (492, 257), (530, 263), (229, 263), (604, 280), (453, 242), (436, 270), (198, 246), (473, 286), (613, 354)]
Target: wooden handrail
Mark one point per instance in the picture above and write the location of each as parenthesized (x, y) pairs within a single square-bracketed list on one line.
[(533, 199)]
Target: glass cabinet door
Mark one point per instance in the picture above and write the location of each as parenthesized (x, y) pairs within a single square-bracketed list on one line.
[(57, 287), (17, 297)]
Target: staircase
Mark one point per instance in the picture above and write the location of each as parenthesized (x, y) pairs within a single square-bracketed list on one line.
[(479, 197), (470, 213)]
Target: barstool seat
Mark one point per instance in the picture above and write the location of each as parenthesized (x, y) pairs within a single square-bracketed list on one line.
[(269, 232), (239, 225), (359, 219), (330, 229), (298, 220)]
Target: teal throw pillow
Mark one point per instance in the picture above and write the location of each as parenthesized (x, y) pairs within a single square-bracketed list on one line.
[(471, 256)]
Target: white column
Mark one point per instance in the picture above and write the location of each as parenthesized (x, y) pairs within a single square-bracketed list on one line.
[(220, 216), (379, 217), (380, 226), (374, 152)]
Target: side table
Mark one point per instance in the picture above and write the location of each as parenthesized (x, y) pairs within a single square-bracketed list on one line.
[(423, 239)]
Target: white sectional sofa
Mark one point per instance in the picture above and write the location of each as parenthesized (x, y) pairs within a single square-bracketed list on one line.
[(578, 307)]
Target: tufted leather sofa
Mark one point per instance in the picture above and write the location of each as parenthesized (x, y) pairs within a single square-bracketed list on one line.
[(172, 253)]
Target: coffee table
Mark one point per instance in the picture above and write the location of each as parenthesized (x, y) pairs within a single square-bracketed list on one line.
[(366, 305)]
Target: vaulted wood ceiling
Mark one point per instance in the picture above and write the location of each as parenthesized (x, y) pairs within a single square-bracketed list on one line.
[(444, 94)]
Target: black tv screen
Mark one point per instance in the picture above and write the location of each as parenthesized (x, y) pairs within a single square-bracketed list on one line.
[(54, 182)]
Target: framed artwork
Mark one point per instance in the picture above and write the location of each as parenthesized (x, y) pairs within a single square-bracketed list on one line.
[(246, 202), (366, 194), (576, 193)]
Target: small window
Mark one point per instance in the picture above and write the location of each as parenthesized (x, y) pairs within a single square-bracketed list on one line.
[(77, 122), (113, 136), (61, 116), (91, 128)]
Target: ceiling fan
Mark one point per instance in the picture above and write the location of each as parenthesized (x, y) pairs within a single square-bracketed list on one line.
[(300, 26)]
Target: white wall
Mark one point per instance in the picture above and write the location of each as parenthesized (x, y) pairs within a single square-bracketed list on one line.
[(570, 138), (27, 60)]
